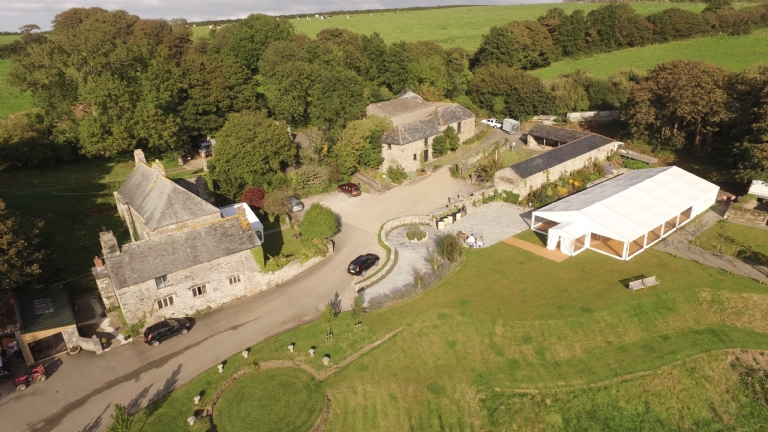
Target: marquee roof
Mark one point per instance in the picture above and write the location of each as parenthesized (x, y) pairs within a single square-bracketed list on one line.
[(630, 205)]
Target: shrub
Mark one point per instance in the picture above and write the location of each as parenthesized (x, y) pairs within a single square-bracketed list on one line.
[(319, 223), (452, 138), (276, 202), (440, 146), (254, 196), (275, 263), (415, 233), (455, 171), (449, 248), (397, 174), (133, 330), (635, 164)]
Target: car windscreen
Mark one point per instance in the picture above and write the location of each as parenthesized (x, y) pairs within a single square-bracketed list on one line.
[(173, 323)]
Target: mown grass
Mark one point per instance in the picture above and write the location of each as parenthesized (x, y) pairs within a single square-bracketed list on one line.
[(510, 320), (731, 52), (74, 201), (450, 27), (286, 399), (6, 39), (12, 100), (743, 242)]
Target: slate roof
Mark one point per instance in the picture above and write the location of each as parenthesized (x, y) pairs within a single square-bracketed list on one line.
[(403, 105), (44, 310), (453, 113), (559, 155), (557, 134), (160, 201), (147, 259), (410, 132)]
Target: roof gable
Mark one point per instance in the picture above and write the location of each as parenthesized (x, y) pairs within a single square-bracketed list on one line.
[(412, 132), (160, 201), (558, 155)]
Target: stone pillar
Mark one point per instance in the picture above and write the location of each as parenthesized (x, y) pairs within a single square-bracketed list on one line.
[(109, 244), (104, 283), (158, 168), (138, 156), (28, 359), (71, 338)]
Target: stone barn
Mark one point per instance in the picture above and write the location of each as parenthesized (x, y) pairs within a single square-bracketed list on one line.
[(552, 136), (416, 123), (530, 174)]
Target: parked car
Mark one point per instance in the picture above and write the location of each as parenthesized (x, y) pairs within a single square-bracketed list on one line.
[(296, 204), (206, 149), (492, 122), (165, 329), (351, 189), (360, 265)]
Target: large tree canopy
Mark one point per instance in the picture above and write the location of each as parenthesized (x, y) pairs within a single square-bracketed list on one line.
[(251, 149), (19, 256), (507, 92)]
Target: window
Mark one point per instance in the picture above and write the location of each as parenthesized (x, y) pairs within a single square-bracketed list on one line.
[(162, 281), (414, 156), (389, 146), (165, 302), (234, 279), (458, 128), (426, 142), (198, 290)]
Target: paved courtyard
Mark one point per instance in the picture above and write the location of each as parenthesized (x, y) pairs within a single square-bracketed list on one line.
[(494, 223)]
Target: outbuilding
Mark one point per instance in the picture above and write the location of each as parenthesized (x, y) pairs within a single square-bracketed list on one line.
[(623, 216), (256, 225)]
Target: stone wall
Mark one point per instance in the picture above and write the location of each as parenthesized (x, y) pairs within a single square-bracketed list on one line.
[(71, 337), (410, 156), (92, 344), (106, 288), (507, 179)]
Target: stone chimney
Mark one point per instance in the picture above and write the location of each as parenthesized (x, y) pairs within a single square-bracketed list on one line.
[(109, 244), (97, 262), (159, 169), (138, 156)]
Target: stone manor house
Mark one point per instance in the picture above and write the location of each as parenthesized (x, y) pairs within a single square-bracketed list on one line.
[(185, 256), (416, 123)]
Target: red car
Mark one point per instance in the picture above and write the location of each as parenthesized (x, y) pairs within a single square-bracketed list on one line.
[(351, 189)]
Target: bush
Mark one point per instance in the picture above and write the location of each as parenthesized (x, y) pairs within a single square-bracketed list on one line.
[(415, 233), (455, 171), (397, 174), (254, 196), (450, 249), (276, 202), (319, 223), (634, 164), (440, 146)]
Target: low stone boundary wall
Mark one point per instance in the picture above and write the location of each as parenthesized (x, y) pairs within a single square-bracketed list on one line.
[(290, 271), (92, 344)]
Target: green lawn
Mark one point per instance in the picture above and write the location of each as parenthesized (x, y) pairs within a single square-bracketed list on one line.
[(285, 399), (731, 52), (5, 39), (12, 100), (449, 27), (74, 200), (509, 320), (741, 241)]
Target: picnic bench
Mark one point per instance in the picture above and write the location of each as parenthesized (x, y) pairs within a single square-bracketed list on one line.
[(643, 283)]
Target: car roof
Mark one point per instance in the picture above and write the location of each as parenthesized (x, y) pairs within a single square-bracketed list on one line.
[(293, 200), (350, 184)]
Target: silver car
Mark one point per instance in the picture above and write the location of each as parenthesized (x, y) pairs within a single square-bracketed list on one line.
[(296, 204)]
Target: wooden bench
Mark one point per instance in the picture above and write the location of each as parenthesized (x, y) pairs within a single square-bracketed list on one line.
[(643, 283)]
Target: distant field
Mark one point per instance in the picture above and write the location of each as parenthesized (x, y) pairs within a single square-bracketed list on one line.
[(450, 27), (11, 99), (4, 39), (731, 52)]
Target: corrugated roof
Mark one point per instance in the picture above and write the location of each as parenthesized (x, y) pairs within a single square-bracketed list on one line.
[(160, 201), (557, 134), (44, 310), (559, 155), (147, 259)]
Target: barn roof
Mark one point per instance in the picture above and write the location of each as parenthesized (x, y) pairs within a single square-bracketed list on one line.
[(558, 155), (557, 134), (44, 310), (410, 132), (452, 113), (160, 201)]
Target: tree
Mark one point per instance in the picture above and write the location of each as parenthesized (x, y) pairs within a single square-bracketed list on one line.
[(328, 316), (251, 148), (715, 6), (247, 40), (439, 146), (253, 196), (319, 223), (496, 48), (519, 93), (357, 309), (276, 202), (360, 145), (338, 98), (19, 256), (121, 420), (399, 58), (533, 45)]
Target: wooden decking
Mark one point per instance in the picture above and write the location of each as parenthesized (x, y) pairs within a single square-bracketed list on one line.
[(541, 251)]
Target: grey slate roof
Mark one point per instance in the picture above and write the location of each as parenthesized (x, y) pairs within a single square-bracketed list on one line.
[(559, 155), (402, 105), (44, 310), (147, 259), (410, 132), (453, 113), (556, 134), (160, 201)]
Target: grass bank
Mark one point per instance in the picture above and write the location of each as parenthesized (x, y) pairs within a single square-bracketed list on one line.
[(740, 241), (731, 52)]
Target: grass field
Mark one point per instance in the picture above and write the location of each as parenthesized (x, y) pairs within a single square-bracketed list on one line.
[(731, 52), (743, 242), (4, 39), (449, 27), (74, 200), (511, 341), (12, 100)]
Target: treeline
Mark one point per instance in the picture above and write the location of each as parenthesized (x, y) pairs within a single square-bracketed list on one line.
[(556, 35)]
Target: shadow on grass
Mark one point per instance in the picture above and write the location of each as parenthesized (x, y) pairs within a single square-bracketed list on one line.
[(625, 282)]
